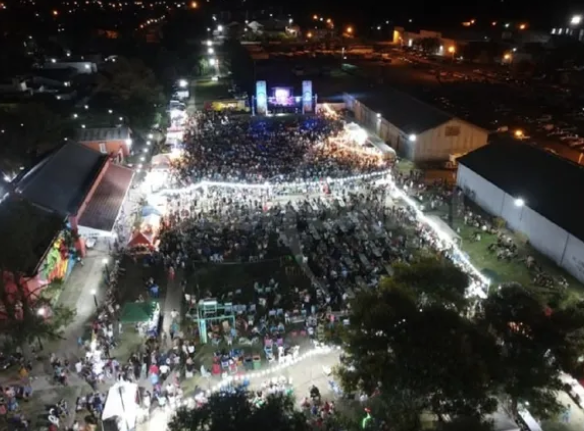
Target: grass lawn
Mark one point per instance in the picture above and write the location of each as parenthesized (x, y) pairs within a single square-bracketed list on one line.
[(502, 271)]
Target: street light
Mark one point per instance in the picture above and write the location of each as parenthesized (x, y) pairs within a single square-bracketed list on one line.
[(219, 28), (519, 134), (350, 30), (183, 83), (210, 51), (209, 43), (519, 202), (94, 293), (451, 49), (41, 311), (576, 20)]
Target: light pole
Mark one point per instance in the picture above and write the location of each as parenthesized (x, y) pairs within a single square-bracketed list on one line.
[(520, 203), (94, 293), (41, 312)]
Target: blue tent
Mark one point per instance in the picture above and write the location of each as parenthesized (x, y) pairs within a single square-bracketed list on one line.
[(149, 210)]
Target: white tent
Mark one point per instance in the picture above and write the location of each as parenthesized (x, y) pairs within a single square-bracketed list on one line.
[(121, 403)]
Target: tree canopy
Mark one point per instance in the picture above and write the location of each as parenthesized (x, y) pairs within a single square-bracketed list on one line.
[(433, 280), (411, 342), (438, 358), (28, 131), (537, 345), (236, 412), (133, 87)]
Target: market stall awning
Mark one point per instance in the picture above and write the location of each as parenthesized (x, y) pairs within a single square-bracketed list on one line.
[(149, 210), (104, 205), (136, 312), (141, 239)]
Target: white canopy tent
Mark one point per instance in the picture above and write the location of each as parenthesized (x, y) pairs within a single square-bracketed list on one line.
[(121, 403)]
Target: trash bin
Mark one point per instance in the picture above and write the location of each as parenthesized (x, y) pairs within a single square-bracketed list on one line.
[(257, 362)]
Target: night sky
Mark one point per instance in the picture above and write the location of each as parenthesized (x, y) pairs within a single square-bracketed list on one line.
[(537, 13)]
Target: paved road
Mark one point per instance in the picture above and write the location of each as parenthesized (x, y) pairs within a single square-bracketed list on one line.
[(304, 374)]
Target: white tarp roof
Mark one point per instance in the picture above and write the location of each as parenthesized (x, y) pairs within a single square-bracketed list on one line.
[(121, 403)]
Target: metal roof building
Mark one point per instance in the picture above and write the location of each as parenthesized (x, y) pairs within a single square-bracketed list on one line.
[(62, 180), (103, 134), (535, 192), (416, 130)]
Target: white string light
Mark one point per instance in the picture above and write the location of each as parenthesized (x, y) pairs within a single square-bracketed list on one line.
[(439, 232), (228, 380)]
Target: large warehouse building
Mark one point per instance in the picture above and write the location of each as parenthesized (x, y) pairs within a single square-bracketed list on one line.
[(535, 192), (415, 130)]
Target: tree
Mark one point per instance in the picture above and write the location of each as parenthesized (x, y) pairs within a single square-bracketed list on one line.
[(29, 130), (533, 347), (427, 359), (434, 280), (24, 224), (236, 412), (133, 87)]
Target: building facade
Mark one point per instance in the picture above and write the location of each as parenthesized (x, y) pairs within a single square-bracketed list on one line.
[(511, 191), (417, 131)]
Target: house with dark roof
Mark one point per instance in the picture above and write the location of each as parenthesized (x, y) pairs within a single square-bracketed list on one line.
[(535, 192), (81, 184), (414, 129), (115, 141)]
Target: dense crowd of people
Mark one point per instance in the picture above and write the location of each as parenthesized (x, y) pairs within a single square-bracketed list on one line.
[(340, 224), (232, 149)]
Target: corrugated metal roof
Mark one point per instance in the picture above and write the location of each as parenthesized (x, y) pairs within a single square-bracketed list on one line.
[(62, 180), (550, 185), (104, 206), (23, 224), (103, 134), (405, 112)]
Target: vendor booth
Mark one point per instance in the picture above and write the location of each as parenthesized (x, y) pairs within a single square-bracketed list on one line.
[(122, 405), (144, 315), (141, 243)]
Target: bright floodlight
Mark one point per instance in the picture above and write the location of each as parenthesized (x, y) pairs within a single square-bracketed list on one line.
[(209, 43), (210, 51), (519, 202), (212, 61), (183, 83), (576, 19), (412, 138)]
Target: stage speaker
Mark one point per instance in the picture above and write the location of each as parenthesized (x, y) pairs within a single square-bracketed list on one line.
[(307, 96), (261, 98)]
